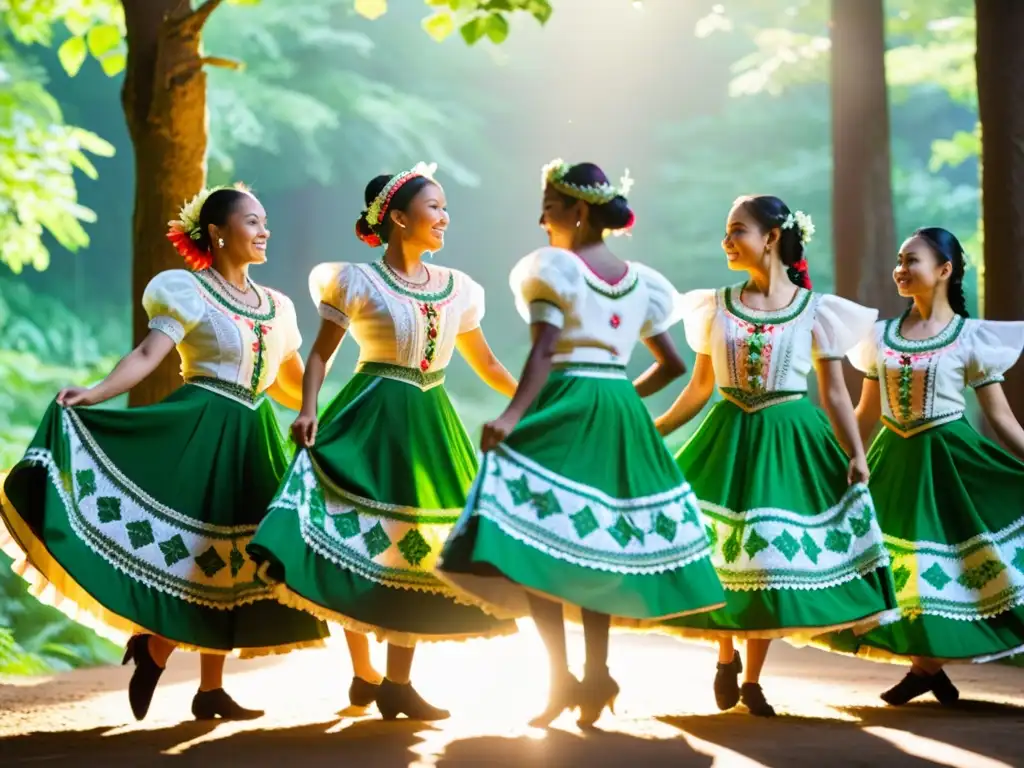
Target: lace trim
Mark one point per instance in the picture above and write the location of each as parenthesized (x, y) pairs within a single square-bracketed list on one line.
[(333, 314), (895, 340), (228, 389), (752, 402), (414, 376), (920, 425), (169, 326), (800, 301)]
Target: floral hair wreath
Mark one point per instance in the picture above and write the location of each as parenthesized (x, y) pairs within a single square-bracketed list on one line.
[(596, 194), (377, 210), (184, 232)]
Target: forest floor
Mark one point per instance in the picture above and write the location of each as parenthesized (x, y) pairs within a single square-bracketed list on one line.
[(829, 707)]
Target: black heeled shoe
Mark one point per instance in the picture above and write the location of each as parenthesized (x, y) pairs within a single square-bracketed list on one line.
[(394, 699), (596, 693), (564, 695), (913, 685), (207, 705), (727, 682), (753, 698), (362, 693), (144, 678)]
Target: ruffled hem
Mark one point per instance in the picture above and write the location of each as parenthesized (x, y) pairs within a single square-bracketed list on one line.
[(880, 655), (52, 585), (797, 636), (291, 599)]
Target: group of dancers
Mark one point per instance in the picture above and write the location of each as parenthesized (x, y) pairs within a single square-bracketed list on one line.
[(188, 524)]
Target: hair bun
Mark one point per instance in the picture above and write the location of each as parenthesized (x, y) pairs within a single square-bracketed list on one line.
[(365, 232)]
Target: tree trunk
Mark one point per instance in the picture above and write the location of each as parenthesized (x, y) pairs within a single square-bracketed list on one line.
[(164, 100), (863, 228), (1000, 66)]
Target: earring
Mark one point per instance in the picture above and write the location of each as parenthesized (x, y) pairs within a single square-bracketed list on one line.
[(220, 242), (577, 223)]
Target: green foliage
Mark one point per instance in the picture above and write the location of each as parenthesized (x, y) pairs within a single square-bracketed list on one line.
[(475, 19)]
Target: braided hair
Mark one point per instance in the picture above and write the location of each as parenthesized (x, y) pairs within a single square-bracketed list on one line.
[(948, 249)]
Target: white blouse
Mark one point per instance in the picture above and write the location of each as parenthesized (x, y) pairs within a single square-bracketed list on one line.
[(224, 346), (601, 322), (404, 331), (925, 379), (764, 357)]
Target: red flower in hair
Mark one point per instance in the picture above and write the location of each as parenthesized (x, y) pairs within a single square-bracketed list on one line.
[(801, 269), (195, 257)]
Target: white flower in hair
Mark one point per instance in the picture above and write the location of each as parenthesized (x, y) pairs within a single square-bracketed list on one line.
[(626, 183), (803, 222), (425, 169)]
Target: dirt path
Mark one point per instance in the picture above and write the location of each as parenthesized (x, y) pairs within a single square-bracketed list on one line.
[(665, 716)]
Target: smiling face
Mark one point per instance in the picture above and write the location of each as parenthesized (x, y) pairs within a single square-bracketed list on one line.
[(244, 232), (746, 243), (424, 220), (560, 217), (919, 269)]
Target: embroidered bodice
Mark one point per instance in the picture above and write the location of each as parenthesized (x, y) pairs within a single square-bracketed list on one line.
[(763, 357), (223, 344), (601, 322), (394, 322), (922, 382)]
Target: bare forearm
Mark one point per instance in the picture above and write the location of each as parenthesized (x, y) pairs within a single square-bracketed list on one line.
[(655, 379), (1009, 431), (496, 376), (133, 368), (312, 381), (687, 405), (844, 421), (535, 376), (286, 396)]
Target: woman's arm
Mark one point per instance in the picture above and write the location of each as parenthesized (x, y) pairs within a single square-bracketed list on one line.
[(133, 368), (692, 399), (473, 346), (287, 387), (327, 340), (869, 409), (836, 399), (535, 375), (668, 366), (997, 410)]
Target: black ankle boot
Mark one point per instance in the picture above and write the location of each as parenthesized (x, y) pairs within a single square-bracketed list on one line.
[(944, 690), (394, 699), (144, 678), (362, 693), (753, 699), (910, 687), (207, 705), (597, 691), (564, 695), (727, 682)]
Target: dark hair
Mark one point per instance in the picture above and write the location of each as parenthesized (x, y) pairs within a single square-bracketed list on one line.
[(948, 249), (375, 235), (613, 215), (220, 204), (770, 212)]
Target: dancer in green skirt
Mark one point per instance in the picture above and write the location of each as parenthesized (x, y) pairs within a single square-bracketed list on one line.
[(578, 503), (796, 542), (357, 526), (140, 518), (950, 502)]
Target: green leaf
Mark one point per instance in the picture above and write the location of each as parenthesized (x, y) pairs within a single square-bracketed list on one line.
[(102, 39), (540, 10), (473, 29), (77, 23), (439, 26), (113, 64), (497, 28), (72, 54)]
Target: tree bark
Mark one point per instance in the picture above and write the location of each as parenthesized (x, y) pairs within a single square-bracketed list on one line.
[(863, 227), (164, 99), (1000, 66)]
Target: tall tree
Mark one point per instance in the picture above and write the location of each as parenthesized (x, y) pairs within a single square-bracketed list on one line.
[(1000, 66), (863, 228)]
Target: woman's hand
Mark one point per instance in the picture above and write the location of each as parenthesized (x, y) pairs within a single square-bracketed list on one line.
[(304, 429), (858, 471), (72, 396), (496, 431)]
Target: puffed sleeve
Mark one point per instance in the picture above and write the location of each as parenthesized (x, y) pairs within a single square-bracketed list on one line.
[(839, 325), (173, 303), (545, 285), (288, 323), (473, 314), (864, 355), (338, 291), (664, 308), (697, 309), (993, 348)]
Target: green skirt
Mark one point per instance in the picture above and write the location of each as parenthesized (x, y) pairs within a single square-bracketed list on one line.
[(583, 504), (138, 520), (951, 506), (354, 533), (798, 550)]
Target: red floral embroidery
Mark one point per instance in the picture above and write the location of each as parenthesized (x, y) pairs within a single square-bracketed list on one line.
[(616, 321)]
